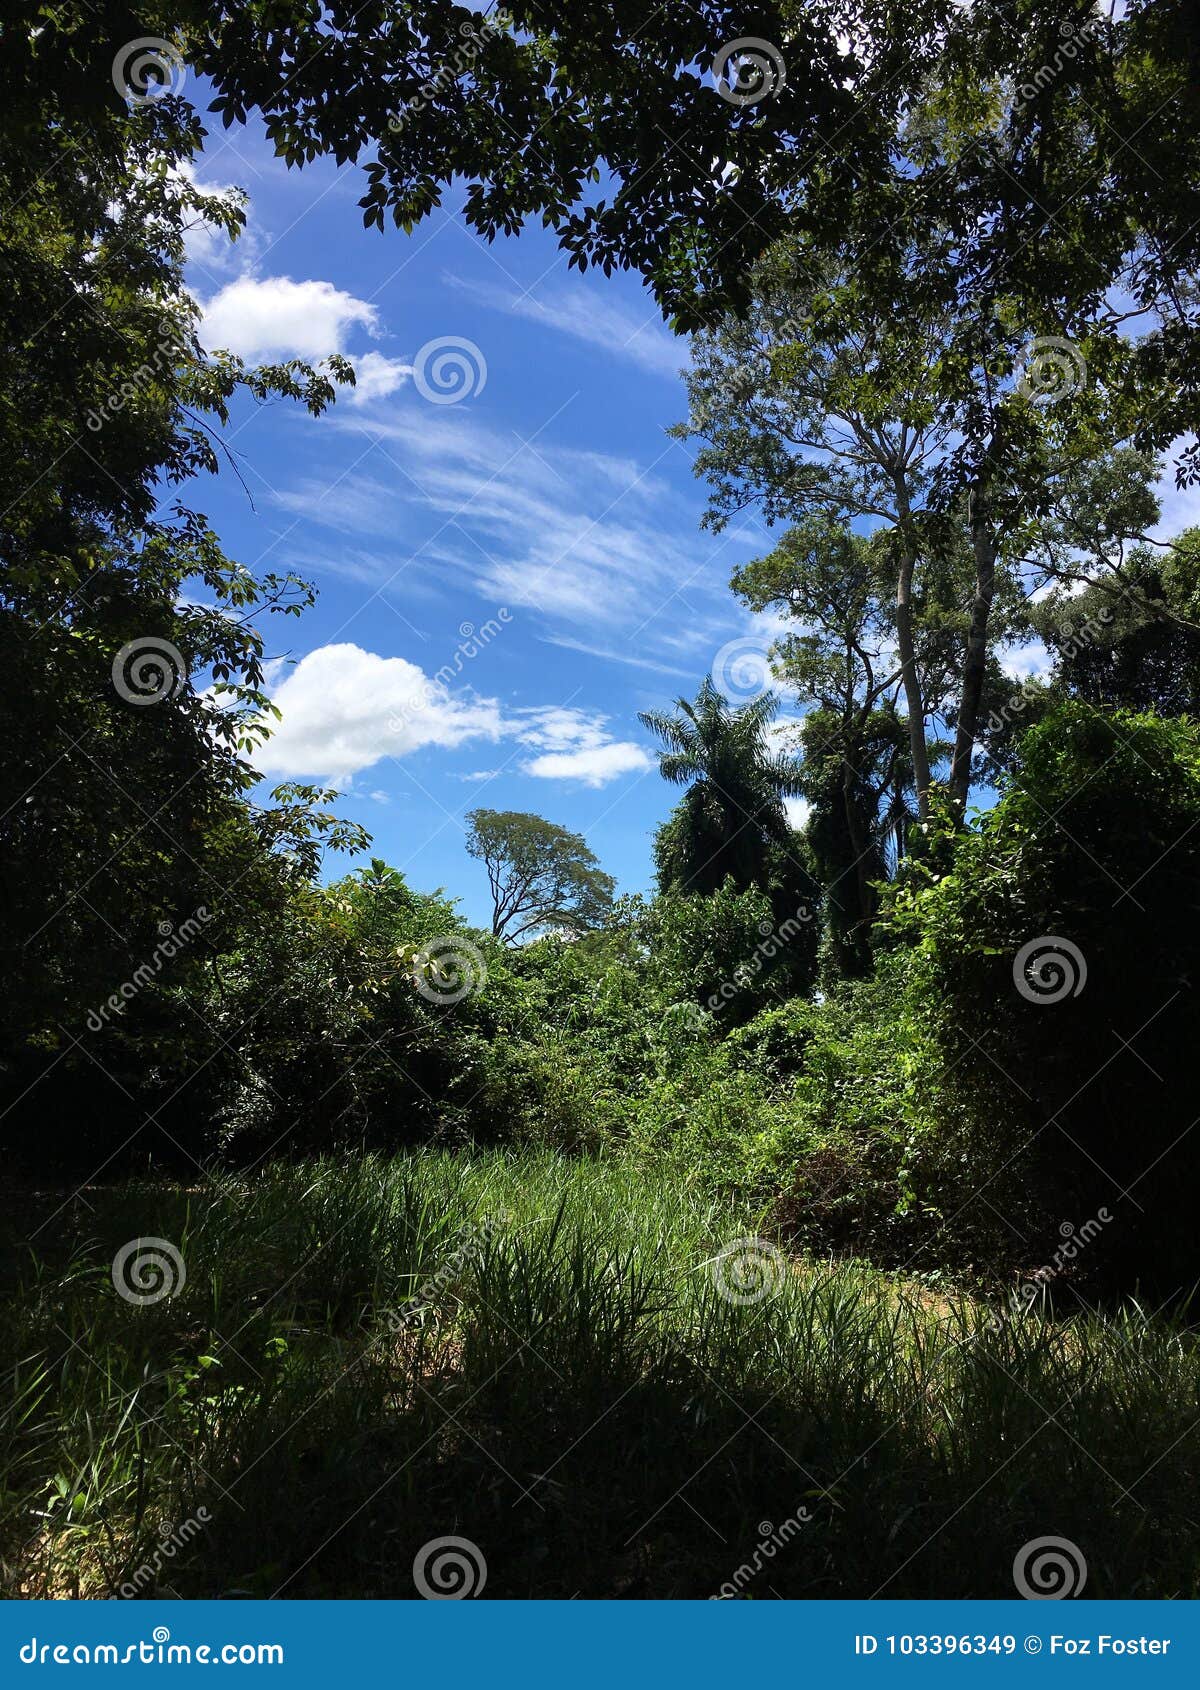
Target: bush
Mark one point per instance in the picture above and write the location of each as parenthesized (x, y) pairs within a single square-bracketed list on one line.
[(731, 952), (1057, 943)]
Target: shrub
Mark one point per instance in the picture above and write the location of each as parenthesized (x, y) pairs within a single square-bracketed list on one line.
[(1058, 942)]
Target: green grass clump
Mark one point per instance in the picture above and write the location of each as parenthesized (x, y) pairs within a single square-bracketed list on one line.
[(535, 1353)]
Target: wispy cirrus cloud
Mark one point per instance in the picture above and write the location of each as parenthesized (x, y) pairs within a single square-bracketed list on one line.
[(596, 317), (580, 537)]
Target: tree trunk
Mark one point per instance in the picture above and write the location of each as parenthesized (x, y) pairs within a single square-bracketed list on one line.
[(906, 652), (983, 541)]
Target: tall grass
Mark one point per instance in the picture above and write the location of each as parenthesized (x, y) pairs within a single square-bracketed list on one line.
[(535, 1354)]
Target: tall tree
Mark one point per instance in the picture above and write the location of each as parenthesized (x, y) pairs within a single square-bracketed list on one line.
[(541, 876), (732, 817), (836, 401)]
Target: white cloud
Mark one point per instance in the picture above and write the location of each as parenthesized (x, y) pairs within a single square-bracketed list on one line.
[(595, 317), (1030, 662), (577, 536), (593, 765), (377, 376), (344, 709), (263, 318), (575, 745)]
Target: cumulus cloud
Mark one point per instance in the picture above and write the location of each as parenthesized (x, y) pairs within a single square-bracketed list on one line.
[(344, 709), (275, 317), (265, 318), (594, 765), (377, 376), (575, 745)]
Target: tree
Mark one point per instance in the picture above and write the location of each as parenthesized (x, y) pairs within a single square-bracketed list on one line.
[(1060, 979), (1132, 639), (832, 586), (834, 403), (541, 875), (133, 646), (732, 816)]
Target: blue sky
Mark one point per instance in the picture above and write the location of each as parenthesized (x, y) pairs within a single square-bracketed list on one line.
[(506, 542), (535, 542)]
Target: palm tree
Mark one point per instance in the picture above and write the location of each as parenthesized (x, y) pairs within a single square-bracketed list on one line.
[(732, 817)]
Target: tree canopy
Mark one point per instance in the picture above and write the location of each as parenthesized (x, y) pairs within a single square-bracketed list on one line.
[(541, 876)]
